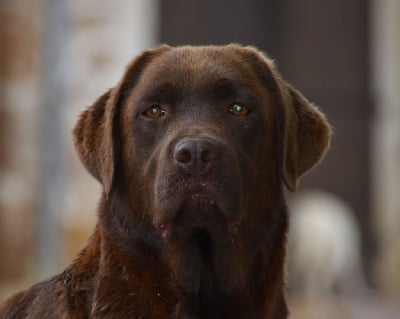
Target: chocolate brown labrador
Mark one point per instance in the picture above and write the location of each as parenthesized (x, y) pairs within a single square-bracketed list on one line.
[(193, 148)]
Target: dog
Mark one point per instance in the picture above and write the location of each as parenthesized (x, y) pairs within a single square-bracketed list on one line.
[(193, 149)]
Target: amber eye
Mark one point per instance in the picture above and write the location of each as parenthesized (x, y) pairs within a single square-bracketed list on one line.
[(154, 112), (238, 109)]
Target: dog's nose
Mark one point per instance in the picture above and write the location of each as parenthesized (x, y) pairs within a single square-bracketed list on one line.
[(195, 154)]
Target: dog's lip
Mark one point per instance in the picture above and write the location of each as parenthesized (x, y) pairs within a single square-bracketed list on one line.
[(222, 232), (205, 201), (198, 199), (166, 229)]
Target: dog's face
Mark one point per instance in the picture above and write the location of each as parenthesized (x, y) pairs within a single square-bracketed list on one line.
[(199, 140), (203, 141)]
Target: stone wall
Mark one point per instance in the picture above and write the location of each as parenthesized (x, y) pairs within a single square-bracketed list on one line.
[(385, 63), (56, 56)]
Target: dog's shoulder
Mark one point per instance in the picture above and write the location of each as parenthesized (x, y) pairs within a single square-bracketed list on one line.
[(42, 300), (66, 295)]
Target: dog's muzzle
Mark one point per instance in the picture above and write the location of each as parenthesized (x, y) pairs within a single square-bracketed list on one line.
[(198, 194)]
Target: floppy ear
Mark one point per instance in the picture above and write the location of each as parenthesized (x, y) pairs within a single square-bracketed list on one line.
[(96, 135), (306, 131), (307, 136)]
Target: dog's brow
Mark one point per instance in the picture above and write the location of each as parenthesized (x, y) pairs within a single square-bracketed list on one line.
[(234, 88), (224, 86), (230, 87), (161, 91)]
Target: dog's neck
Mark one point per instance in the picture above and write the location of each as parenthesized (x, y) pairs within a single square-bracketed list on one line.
[(136, 264)]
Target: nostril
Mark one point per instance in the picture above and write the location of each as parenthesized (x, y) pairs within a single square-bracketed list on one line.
[(208, 156), (184, 153), (183, 156)]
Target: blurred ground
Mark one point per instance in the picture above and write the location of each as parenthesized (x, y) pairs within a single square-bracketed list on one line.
[(372, 308)]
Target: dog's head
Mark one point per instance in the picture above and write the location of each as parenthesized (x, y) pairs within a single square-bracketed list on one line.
[(201, 139), (199, 124)]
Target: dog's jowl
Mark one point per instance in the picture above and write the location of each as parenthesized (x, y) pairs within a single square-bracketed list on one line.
[(193, 148)]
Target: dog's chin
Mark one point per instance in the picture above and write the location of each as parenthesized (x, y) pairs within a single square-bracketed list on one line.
[(196, 211)]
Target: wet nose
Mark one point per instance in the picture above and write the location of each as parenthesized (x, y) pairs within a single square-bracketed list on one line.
[(195, 155)]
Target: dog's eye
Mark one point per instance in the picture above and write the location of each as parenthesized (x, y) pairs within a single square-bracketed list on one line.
[(238, 109), (154, 112)]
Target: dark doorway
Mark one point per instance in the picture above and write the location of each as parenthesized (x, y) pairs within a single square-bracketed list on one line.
[(322, 48)]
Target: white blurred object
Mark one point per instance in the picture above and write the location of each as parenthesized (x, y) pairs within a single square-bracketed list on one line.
[(324, 246)]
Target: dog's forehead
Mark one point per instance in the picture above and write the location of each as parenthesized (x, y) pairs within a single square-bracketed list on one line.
[(193, 66)]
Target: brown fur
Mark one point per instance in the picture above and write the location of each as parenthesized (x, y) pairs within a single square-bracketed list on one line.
[(192, 221)]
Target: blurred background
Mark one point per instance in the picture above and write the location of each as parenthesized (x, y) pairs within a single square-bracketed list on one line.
[(58, 56)]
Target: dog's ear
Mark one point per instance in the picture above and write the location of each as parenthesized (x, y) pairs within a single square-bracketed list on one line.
[(96, 136), (306, 131), (307, 136)]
